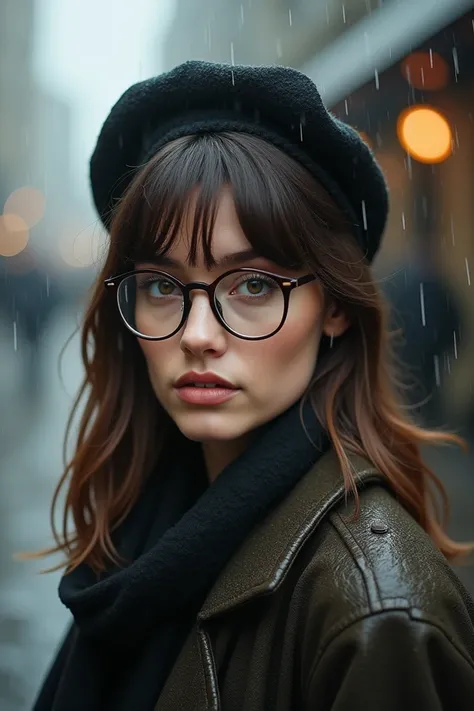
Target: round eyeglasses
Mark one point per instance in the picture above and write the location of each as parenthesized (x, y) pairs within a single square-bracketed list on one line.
[(250, 304)]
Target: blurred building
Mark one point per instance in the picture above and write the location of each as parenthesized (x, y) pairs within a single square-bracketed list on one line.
[(16, 84), (273, 31)]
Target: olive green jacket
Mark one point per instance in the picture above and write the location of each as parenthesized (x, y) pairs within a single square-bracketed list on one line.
[(317, 612)]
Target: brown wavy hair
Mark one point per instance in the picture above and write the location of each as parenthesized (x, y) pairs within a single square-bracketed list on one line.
[(289, 218)]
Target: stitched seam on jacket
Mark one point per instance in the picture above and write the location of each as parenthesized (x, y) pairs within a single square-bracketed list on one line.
[(333, 634), (207, 660), (372, 589)]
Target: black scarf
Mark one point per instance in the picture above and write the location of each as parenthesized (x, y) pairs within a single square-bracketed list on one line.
[(131, 623)]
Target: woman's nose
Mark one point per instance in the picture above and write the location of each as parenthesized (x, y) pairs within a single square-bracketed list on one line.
[(202, 331)]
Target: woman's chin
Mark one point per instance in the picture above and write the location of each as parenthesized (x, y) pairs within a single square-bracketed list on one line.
[(201, 426)]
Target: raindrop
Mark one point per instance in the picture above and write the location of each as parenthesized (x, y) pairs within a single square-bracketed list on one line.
[(233, 77), (15, 337), (404, 225), (48, 284), (364, 215), (431, 58), (290, 18), (232, 61), (436, 369), (424, 206), (448, 364), (242, 14), (468, 272), (301, 131), (452, 231), (327, 15), (377, 85), (455, 62), (455, 345), (344, 14), (346, 107), (422, 304), (456, 135)]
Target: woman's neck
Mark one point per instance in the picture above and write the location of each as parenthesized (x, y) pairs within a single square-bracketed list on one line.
[(219, 454)]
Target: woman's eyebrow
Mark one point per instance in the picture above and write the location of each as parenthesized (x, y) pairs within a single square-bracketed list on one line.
[(227, 260)]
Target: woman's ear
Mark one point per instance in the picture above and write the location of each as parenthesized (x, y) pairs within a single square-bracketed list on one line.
[(335, 321)]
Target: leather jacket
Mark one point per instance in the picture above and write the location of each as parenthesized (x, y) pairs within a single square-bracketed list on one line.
[(317, 611)]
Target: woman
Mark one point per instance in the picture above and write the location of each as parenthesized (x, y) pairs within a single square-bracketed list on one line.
[(253, 522)]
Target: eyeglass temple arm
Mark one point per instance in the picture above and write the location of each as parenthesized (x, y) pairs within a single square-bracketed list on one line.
[(305, 280)]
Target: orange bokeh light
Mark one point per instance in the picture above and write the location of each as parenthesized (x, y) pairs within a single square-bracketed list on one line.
[(426, 71), (14, 235), (28, 203), (425, 134)]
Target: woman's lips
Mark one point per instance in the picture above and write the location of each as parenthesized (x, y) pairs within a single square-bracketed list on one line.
[(205, 396)]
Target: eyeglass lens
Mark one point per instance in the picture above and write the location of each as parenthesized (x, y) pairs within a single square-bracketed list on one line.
[(250, 303)]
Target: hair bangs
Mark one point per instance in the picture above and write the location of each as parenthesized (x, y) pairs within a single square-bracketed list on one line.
[(179, 189)]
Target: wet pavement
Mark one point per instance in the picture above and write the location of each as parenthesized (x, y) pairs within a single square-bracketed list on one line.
[(32, 619)]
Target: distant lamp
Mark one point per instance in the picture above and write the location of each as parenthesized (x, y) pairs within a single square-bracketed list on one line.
[(427, 71), (425, 134), (28, 203), (14, 235)]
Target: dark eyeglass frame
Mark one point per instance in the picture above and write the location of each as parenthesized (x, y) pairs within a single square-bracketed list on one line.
[(286, 284)]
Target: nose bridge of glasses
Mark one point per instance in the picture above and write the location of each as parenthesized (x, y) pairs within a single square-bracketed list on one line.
[(198, 286)]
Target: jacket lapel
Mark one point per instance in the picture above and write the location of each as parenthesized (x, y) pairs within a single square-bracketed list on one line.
[(259, 567), (265, 557)]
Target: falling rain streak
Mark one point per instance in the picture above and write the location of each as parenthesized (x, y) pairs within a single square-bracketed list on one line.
[(422, 304)]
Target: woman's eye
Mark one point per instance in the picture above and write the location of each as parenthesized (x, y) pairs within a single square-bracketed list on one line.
[(254, 286), (161, 287)]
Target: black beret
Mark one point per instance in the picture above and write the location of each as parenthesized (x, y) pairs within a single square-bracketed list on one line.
[(279, 104)]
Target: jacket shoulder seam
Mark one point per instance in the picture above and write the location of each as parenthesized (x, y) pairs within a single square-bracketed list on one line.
[(415, 615), (363, 564)]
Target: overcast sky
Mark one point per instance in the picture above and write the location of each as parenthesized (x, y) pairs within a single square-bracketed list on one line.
[(89, 51)]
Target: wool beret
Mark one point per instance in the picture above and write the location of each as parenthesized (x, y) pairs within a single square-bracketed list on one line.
[(278, 104)]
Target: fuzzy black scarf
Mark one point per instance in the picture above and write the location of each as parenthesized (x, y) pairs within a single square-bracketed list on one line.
[(131, 623)]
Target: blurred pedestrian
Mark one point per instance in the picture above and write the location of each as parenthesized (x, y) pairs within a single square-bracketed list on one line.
[(29, 297), (425, 313)]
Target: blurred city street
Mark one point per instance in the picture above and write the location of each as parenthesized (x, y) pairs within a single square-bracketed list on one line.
[(31, 616)]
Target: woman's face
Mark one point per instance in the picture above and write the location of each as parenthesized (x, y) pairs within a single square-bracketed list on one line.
[(269, 375)]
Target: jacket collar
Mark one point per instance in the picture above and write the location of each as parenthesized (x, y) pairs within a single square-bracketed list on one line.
[(261, 563)]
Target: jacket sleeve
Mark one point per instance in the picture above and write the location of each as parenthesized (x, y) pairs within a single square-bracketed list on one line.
[(393, 662)]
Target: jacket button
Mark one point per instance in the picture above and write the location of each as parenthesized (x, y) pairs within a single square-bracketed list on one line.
[(379, 527)]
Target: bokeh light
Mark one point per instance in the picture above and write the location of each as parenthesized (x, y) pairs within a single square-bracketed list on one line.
[(28, 203), (82, 248), (14, 234), (425, 134), (425, 71)]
